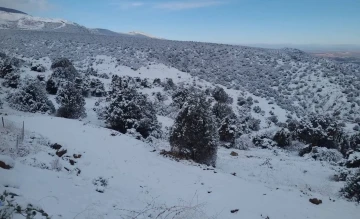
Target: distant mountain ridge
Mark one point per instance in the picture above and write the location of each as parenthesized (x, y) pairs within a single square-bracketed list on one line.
[(10, 10), (18, 20)]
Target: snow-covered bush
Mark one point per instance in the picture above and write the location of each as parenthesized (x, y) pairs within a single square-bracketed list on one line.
[(118, 84), (220, 95), (241, 101), (51, 86), (64, 69), (180, 96), (351, 190), (145, 83), (6, 69), (40, 77), (282, 138), (12, 80), (160, 97), (97, 88), (38, 68), (273, 118), (228, 131), (221, 111), (31, 97), (353, 160), (253, 124), (11, 208), (128, 109), (244, 142), (63, 72), (157, 82), (355, 142), (169, 84), (71, 101), (257, 109), (264, 141), (324, 154), (319, 130), (194, 133)]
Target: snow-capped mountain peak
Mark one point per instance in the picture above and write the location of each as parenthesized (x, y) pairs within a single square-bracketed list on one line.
[(13, 19), (139, 33)]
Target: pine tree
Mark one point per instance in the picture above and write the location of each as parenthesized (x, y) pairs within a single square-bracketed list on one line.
[(194, 133), (72, 103), (12, 80)]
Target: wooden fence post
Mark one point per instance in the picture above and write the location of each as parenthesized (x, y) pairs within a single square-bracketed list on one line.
[(23, 131), (2, 118)]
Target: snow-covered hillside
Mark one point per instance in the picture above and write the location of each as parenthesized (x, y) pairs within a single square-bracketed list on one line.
[(98, 124), (106, 174), (19, 21)]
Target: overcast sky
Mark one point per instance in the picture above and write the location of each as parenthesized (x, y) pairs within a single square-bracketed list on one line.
[(223, 21)]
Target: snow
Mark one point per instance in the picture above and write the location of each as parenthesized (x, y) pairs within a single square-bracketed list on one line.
[(7, 16), (139, 33), (136, 176), (261, 183), (7, 160)]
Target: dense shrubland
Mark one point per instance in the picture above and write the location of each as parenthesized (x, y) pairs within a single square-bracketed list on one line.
[(294, 80), (204, 117)]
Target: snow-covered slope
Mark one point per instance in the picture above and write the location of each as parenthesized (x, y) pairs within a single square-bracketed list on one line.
[(117, 176), (142, 34), (9, 20), (17, 20)]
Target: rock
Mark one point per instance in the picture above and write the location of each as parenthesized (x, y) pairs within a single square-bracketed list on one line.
[(38, 68), (56, 146), (315, 201), (77, 156), (6, 162), (305, 150), (61, 153), (234, 211), (72, 162), (78, 171), (4, 165), (233, 153), (234, 174)]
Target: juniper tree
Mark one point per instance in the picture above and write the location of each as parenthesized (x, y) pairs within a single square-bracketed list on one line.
[(31, 97), (128, 109), (220, 95), (71, 101), (194, 132)]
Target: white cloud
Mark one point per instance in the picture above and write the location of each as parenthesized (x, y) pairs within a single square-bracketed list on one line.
[(127, 4), (26, 5), (182, 5)]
